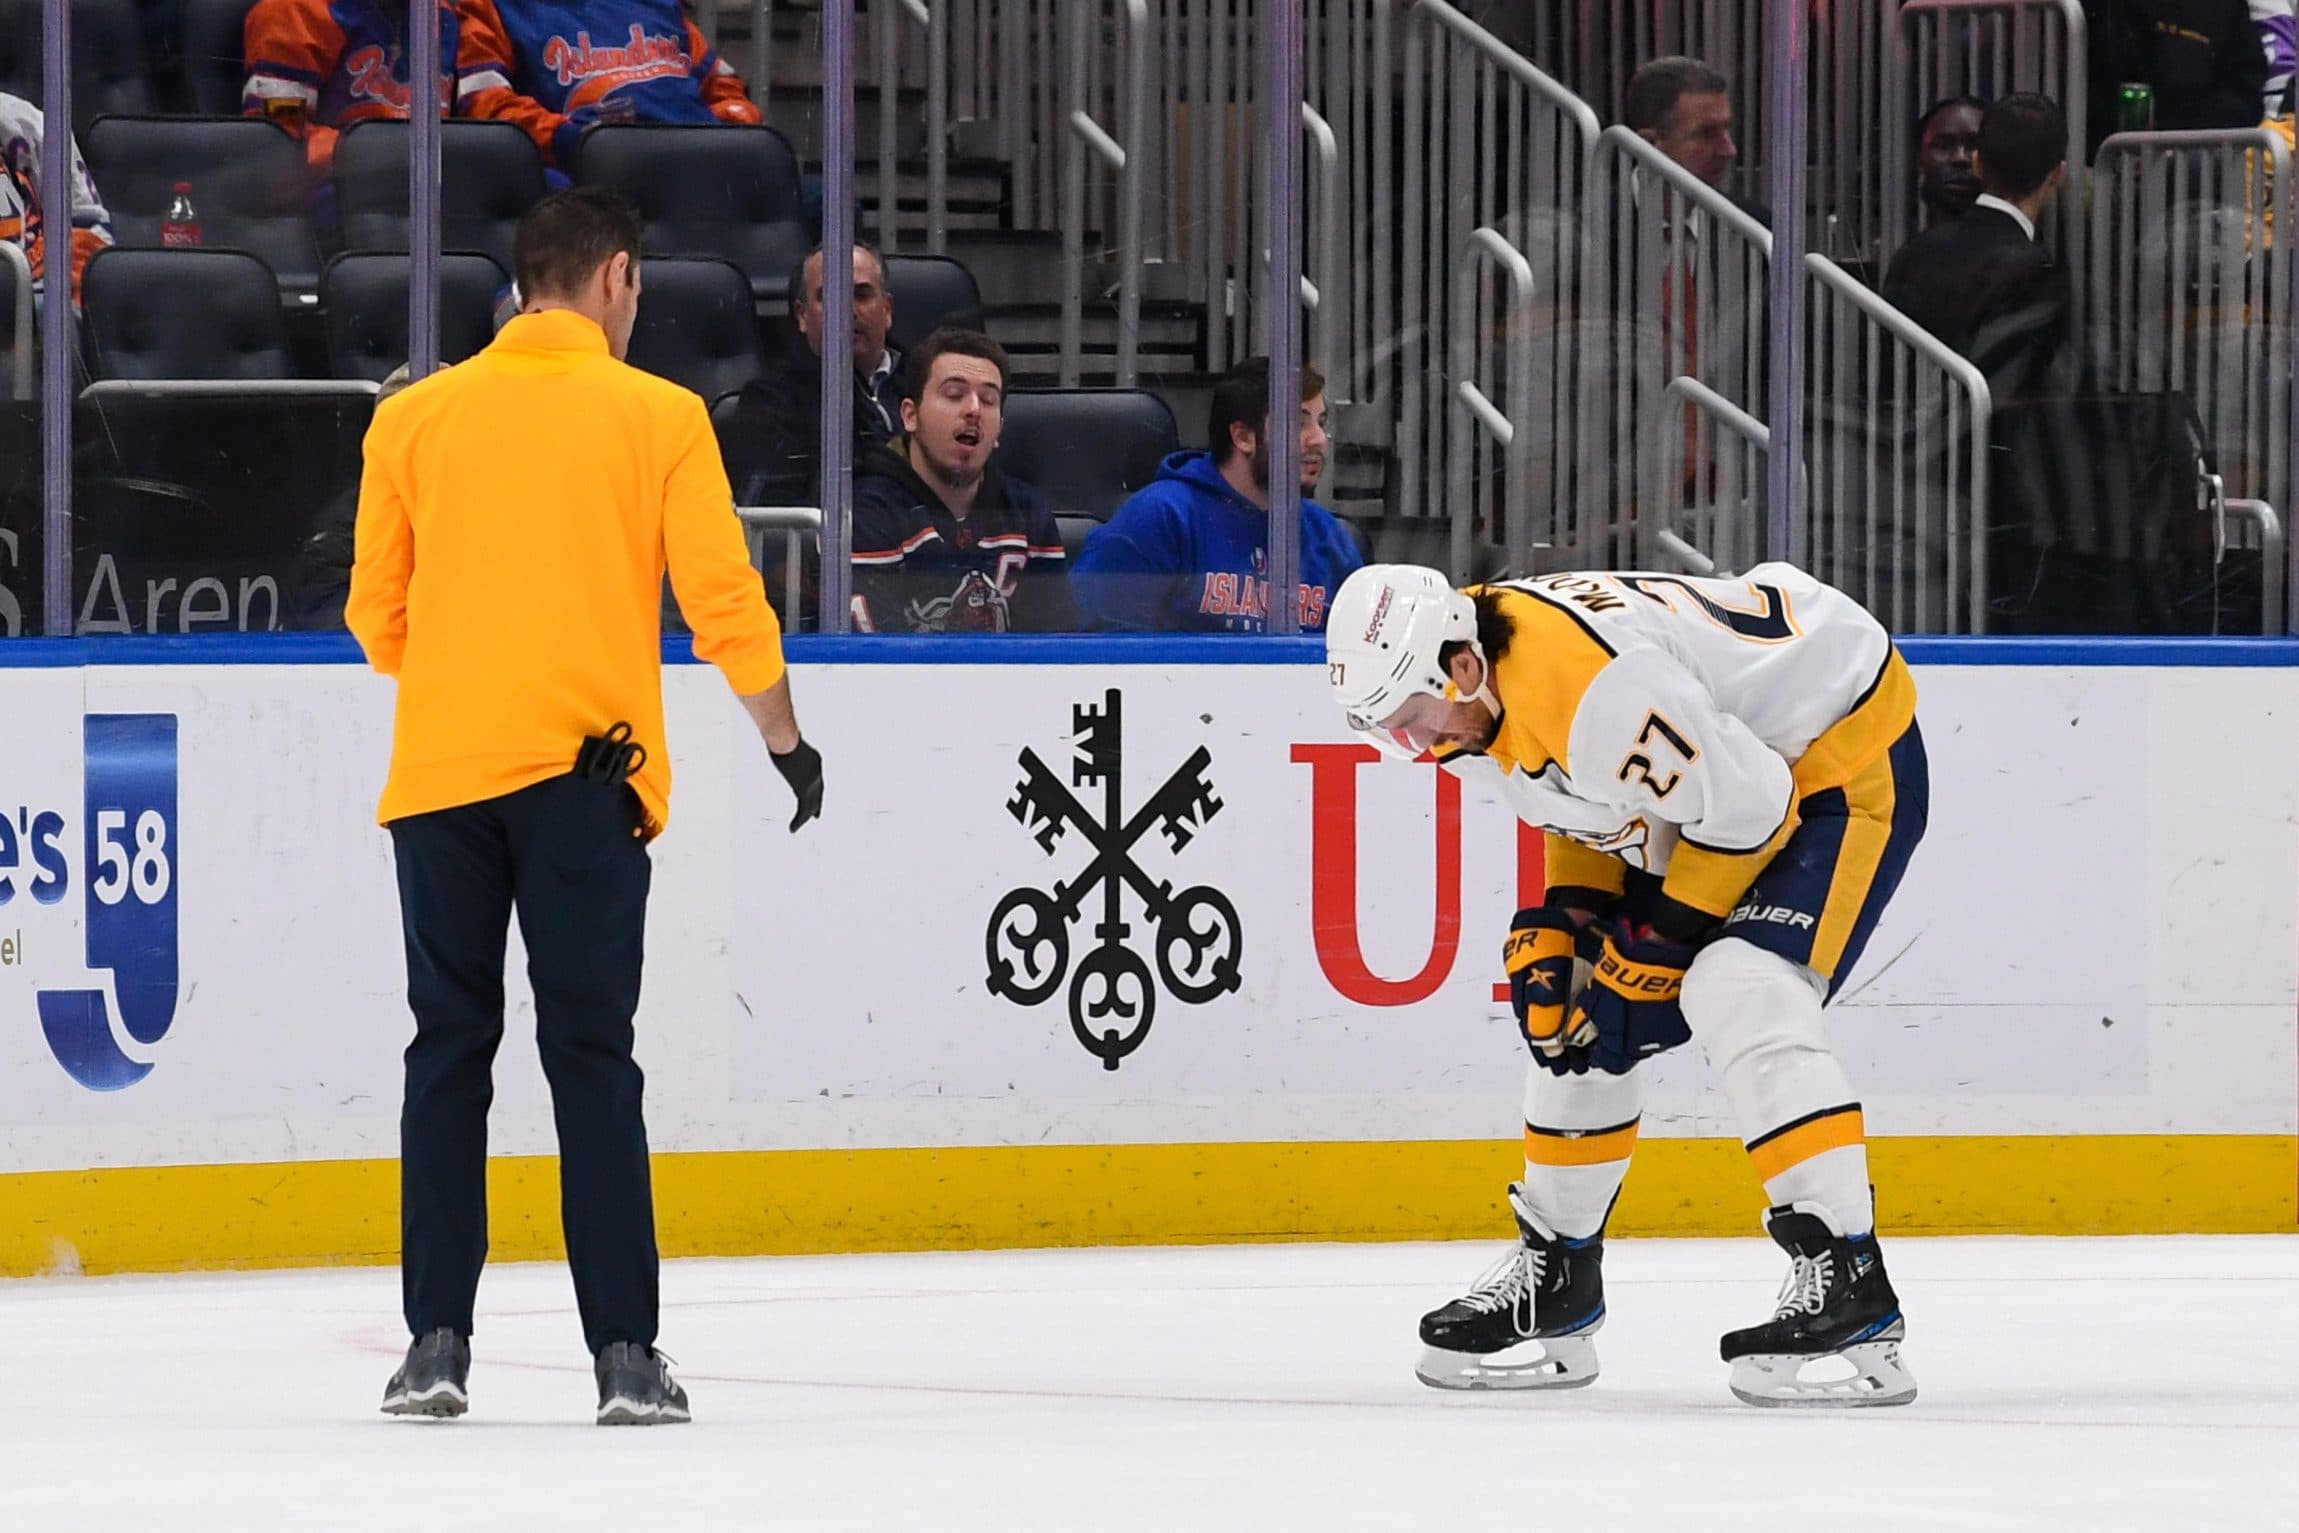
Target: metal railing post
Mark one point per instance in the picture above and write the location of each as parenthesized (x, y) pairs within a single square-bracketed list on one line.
[(423, 172), (1327, 300), (1486, 247), (837, 439), (1784, 530), (1282, 442), (59, 330)]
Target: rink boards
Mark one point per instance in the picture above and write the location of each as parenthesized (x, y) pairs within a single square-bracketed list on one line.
[(921, 1022)]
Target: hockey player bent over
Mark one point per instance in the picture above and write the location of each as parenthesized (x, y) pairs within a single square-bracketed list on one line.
[(1731, 781)]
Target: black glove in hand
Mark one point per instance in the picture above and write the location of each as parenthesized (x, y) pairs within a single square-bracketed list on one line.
[(801, 767)]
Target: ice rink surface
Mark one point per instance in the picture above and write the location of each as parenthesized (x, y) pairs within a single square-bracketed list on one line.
[(2133, 1383)]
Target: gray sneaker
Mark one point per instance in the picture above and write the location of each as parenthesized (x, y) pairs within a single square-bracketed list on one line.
[(431, 1382), (636, 1388)]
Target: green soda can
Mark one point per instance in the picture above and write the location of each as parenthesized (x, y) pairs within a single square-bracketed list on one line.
[(2134, 107)]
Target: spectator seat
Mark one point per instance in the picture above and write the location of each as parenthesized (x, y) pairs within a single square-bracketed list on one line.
[(929, 292), (215, 54), (491, 174), (364, 296), (697, 326), (184, 314), (108, 69), (1085, 449), (719, 192), (249, 185)]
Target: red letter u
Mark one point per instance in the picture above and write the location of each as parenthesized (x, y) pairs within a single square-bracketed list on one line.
[(1333, 879)]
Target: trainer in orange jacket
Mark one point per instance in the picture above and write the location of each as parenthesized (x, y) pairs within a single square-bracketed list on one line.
[(516, 515)]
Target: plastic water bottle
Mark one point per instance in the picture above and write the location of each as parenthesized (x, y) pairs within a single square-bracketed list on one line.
[(180, 230)]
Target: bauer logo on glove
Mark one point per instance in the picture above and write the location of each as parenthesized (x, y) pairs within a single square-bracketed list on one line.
[(1629, 1007)]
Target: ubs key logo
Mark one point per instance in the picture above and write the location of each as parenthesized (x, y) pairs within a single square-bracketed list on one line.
[(1198, 943), (127, 866)]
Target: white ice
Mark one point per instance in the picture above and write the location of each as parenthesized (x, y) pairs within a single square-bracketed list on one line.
[(2097, 1384)]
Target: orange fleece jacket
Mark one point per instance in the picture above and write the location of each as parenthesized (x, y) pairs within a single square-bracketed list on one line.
[(516, 515)]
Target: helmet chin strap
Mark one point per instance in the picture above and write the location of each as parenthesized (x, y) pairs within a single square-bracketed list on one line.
[(1484, 693)]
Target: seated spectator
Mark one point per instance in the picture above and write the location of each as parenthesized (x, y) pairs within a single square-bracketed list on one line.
[(574, 64), (1982, 283), (1947, 142), (315, 67), (1682, 108), (943, 542), (1191, 551), (773, 442), (22, 219), (2202, 58)]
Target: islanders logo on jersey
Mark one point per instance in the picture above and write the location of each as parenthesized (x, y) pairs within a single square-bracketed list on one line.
[(88, 920), (1197, 942)]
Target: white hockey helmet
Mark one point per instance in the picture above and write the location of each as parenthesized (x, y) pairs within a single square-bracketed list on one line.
[(1384, 637)]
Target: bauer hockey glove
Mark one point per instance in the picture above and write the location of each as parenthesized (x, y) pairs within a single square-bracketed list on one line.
[(1631, 1004), (1539, 957)]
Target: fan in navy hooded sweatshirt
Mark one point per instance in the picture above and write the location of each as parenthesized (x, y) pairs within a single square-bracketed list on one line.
[(1190, 553)]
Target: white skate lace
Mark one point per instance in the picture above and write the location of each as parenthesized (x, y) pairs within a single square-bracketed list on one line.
[(1806, 1291), (1509, 1283)]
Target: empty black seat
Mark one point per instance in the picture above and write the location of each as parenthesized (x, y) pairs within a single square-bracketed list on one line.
[(697, 326), (215, 53), (727, 193), (108, 70), (490, 174), (930, 292), (184, 314), (1086, 449), (365, 296), (249, 187)]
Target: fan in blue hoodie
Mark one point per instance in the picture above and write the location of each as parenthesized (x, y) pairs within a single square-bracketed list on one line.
[(1190, 552)]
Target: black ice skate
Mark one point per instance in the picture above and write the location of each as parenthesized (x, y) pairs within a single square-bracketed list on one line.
[(1548, 1295), (433, 1380), (1835, 1339), (636, 1388)]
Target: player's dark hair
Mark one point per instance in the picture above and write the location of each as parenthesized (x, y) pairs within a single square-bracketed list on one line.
[(949, 341), (798, 272), (1946, 104), (564, 239), (2023, 139), (1241, 398), (1495, 628), (1657, 86)]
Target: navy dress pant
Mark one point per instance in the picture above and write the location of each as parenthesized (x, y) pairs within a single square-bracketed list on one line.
[(567, 856)]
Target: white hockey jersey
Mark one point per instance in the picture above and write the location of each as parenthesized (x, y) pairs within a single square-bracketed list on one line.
[(1674, 724), (23, 220)]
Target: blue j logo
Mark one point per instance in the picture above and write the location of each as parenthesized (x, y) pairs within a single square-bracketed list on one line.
[(129, 863)]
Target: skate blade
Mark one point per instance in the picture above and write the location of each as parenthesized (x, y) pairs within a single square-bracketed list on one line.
[(1867, 1374), (439, 1402), (620, 1412), (1564, 1362)]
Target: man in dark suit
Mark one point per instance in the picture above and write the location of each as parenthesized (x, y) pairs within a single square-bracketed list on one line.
[(1981, 282)]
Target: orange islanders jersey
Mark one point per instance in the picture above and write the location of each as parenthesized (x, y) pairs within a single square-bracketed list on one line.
[(23, 220), (1674, 724), (568, 65), (315, 67)]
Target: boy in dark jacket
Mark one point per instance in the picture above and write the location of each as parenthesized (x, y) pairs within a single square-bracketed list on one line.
[(943, 542)]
